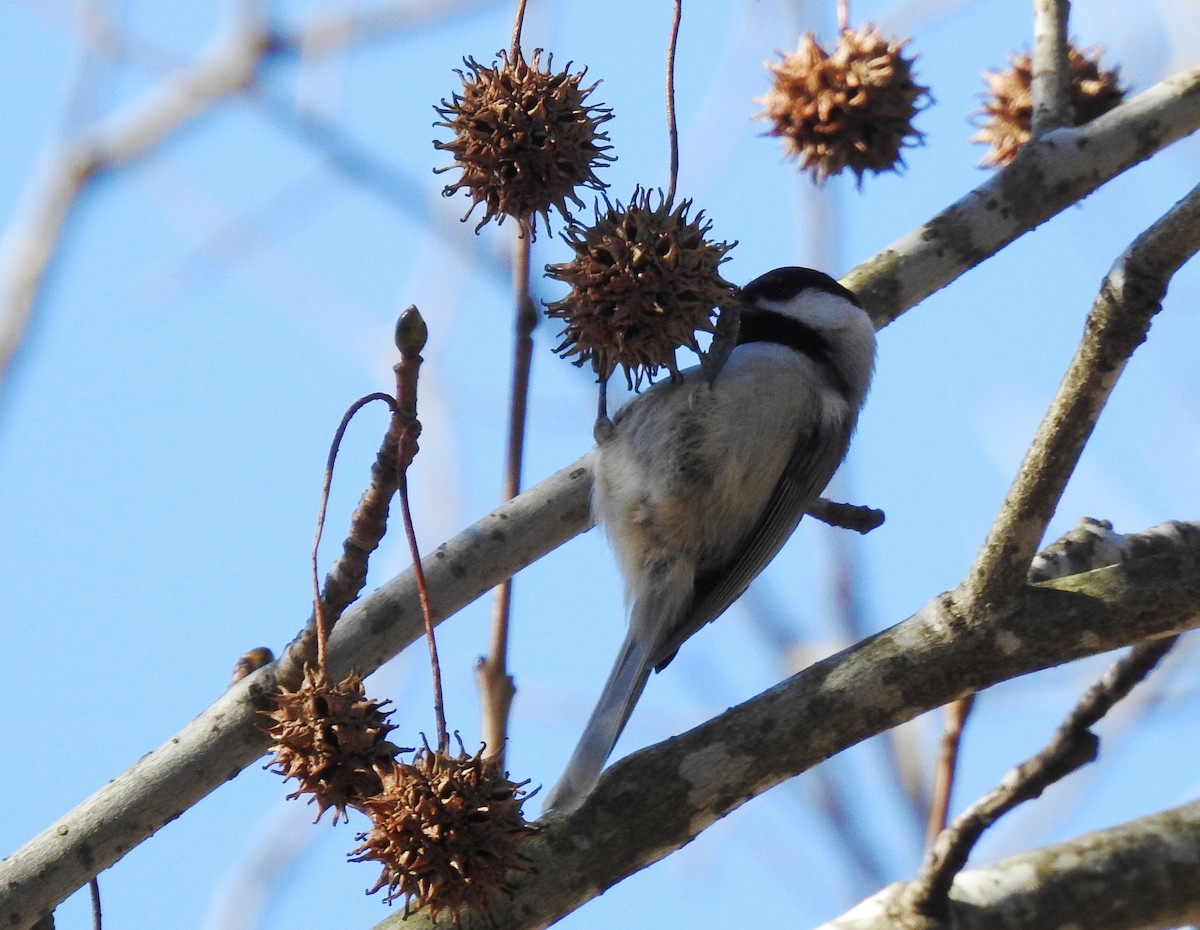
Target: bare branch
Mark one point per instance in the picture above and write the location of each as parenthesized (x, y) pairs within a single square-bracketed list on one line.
[(657, 800), (1135, 876), (1051, 85), (1050, 173), (1072, 746), (1130, 296)]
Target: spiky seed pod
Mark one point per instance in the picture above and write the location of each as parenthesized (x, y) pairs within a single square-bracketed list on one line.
[(644, 281), (447, 830), (332, 739), (849, 109), (1008, 102), (524, 138)]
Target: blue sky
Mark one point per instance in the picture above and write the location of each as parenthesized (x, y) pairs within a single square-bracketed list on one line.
[(215, 307)]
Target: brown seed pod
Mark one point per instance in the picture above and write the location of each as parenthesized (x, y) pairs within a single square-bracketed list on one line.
[(644, 281), (447, 831), (524, 139), (849, 109), (1008, 102), (332, 739)]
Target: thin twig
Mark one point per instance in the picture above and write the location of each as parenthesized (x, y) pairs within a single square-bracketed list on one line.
[(439, 706), (495, 683), (843, 15), (97, 916), (946, 767), (1051, 84), (518, 24), (1072, 746), (321, 617), (672, 128)]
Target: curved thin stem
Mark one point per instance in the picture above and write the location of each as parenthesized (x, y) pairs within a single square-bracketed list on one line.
[(439, 706), (672, 128), (318, 601)]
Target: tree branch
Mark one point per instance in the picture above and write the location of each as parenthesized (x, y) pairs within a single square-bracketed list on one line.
[(1135, 876), (1051, 84), (1129, 298), (657, 800), (926, 900), (1050, 173)]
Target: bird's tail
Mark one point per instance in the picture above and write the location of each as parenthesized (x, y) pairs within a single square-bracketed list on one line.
[(621, 691)]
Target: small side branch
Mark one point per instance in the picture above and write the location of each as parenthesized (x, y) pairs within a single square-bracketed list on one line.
[(1146, 869), (847, 516), (1051, 86), (1129, 298), (1072, 746), (496, 685)]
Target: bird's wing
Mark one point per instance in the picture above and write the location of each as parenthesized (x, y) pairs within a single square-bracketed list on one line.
[(798, 487)]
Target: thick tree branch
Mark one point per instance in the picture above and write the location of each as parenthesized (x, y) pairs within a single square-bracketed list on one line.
[(1135, 876), (657, 800), (1049, 174)]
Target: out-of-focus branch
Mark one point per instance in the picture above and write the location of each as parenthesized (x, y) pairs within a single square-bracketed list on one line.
[(1051, 85), (226, 67), (657, 800), (30, 243), (331, 31), (1135, 876)]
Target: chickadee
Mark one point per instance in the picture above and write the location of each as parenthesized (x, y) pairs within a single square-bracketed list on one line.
[(702, 480)]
